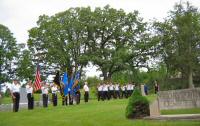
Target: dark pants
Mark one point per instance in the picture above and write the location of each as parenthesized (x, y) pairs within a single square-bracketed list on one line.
[(86, 96), (105, 95), (123, 94), (117, 94), (30, 101), (16, 102), (70, 98), (99, 95), (54, 99), (112, 94), (108, 95), (129, 93), (126, 94), (156, 90), (45, 100), (78, 97), (64, 100)]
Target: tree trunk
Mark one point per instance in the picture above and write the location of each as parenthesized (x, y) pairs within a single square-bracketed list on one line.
[(109, 76), (104, 75), (190, 71), (190, 78)]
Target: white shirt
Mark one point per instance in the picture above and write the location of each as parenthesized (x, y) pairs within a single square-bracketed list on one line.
[(44, 90), (132, 87), (86, 88), (15, 88), (100, 88), (111, 87), (54, 90), (117, 87), (128, 87), (29, 89), (105, 88)]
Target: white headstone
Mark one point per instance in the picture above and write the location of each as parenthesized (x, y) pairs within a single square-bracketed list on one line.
[(142, 90)]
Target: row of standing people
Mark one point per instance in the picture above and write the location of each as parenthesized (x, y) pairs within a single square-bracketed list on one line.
[(15, 94), (109, 91)]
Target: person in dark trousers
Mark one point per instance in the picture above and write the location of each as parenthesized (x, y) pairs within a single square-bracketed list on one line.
[(86, 90), (64, 100), (29, 91), (71, 97), (117, 91), (128, 87), (54, 91), (156, 87), (100, 90), (78, 97), (105, 92), (15, 93), (123, 89), (145, 89), (45, 91), (111, 89)]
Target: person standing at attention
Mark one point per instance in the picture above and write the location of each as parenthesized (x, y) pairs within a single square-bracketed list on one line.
[(111, 89), (86, 90), (29, 91), (44, 89), (54, 91), (145, 89), (15, 93), (99, 94), (156, 87)]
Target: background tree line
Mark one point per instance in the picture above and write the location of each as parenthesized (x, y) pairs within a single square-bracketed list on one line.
[(118, 43)]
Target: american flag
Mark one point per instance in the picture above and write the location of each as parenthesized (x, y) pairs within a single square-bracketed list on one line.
[(37, 84)]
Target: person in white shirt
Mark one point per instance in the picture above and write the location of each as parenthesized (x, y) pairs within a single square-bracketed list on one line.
[(111, 90), (86, 90), (45, 92), (117, 91), (129, 90), (105, 92), (123, 89), (100, 90), (132, 88), (15, 93), (29, 91), (54, 91)]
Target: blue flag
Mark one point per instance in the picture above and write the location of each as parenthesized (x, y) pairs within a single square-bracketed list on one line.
[(65, 82), (76, 88), (71, 84), (77, 78)]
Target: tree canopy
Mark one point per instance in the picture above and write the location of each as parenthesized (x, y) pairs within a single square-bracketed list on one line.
[(8, 54), (178, 40), (109, 38)]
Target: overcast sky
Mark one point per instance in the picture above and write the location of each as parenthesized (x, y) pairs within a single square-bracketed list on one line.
[(21, 15)]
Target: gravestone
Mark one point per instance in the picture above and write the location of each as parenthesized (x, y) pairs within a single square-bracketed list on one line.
[(154, 108), (179, 99), (23, 96), (142, 90)]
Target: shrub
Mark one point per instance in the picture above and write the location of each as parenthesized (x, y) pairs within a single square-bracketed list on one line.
[(138, 106)]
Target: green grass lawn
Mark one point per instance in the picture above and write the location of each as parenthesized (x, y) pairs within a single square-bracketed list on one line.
[(94, 113), (181, 111)]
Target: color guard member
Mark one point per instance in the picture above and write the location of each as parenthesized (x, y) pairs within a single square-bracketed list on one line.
[(54, 91), (15, 93), (86, 90), (29, 91)]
